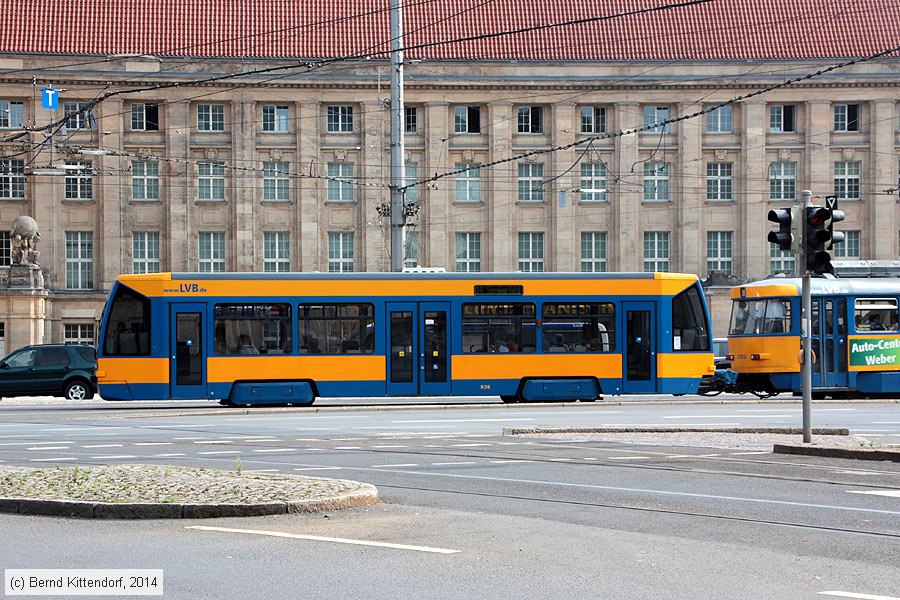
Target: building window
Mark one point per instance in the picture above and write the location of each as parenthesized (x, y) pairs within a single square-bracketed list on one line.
[(656, 251), (593, 251), (211, 252), (145, 252), (211, 181), (719, 181), (468, 252), (12, 179), (468, 182), (78, 115), (846, 180), (340, 252), (411, 253), (530, 119), (5, 249), (593, 182), (277, 252), (12, 114), (79, 260), (210, 117), (144, 117), (79, 180), (656, 182), (846, 117), (466, 119), (410, 119), (411, 177), (339, 119), (145, 180), (780, 261), (849, 248), (720, 120), (276, 181), (275, 119), (655, 118), (531, 182), (781, 118), (783, 181), (593, 119), (719, 252), (78, 333), (531, 252), (340, 189)]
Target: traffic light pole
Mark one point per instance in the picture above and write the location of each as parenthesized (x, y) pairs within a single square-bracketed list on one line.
[(806, 333)]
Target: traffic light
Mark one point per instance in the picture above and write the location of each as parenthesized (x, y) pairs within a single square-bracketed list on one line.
[(837, 237), (817, 239), (788, 235)]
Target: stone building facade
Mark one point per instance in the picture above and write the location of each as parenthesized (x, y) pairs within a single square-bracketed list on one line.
[(255, 174)]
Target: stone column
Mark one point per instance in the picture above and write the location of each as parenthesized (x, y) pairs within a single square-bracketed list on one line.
[(754, 188), (690, 231), (435, 217), (373, 165), (818, 163), (180, 235), (111, 192), (246, 185), (311, 196), (565, 237), (625, 240), (499, 248), (878, 175)]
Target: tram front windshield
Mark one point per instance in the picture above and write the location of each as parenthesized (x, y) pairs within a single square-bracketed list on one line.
[(760, 316)]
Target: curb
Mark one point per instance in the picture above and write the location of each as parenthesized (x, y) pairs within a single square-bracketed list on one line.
[(365, 496), (779, 430), (832, 452)]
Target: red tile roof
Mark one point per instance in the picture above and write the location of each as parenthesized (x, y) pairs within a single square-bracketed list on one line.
[(721, 29)]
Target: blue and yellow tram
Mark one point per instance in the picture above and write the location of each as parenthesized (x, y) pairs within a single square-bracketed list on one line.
[(854, 332), (291, 337)]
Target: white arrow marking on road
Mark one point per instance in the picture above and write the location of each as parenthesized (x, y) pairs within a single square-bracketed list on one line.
[(104, 446), (317, 538), (888, 493), (857, 596)]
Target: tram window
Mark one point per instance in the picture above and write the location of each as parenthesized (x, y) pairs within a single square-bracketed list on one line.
[(579, 327), (498, 327), (689, 332), (128, 325), (761, 316), (876, 314), (337, 328), (252, 329)]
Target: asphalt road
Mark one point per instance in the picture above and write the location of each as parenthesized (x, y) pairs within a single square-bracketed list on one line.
[(524, 517)]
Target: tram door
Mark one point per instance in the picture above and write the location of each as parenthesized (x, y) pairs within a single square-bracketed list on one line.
[(418, 343), (829, 342), (640, 348), (187, 366)]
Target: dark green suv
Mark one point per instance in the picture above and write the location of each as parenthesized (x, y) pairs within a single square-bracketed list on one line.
[(67, 370)]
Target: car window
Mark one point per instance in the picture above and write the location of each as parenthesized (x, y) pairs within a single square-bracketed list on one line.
[(24, 358), (47, 357), (87, 353)]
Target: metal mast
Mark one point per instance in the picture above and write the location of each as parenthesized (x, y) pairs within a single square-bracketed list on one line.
[(398, 210)]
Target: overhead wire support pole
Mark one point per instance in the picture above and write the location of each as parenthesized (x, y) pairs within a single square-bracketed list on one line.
[(398, 210), (806, 325)]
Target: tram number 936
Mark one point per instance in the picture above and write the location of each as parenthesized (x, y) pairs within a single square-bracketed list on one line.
[(485, 386)]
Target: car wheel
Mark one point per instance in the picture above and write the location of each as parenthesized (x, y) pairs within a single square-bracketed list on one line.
[(78, 390)]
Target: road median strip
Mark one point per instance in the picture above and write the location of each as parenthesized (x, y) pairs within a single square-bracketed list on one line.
[(166, 492)]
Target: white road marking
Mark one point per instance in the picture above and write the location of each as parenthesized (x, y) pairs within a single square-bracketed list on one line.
[(509, 461), (219, 452), (64, 429), (468, 445), (189, 426), (627, 457), (54, 459), (885, 422), (319, 469), (49, 448), (346, 447), (29, 443), (309, 439), (392, 466), (769, 416), (168, 455), (749, 453), (261, 471), (888, 493), (442, 464), (317, 538), (276, 450), (214, 442), (187, 439), (110, 456), (461, 420), (857, 596), (409, 432), (859, 472), (153, 444), (381, 447), (104, 446)]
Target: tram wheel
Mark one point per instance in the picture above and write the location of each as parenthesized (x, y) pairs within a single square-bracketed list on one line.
[(509, 399)]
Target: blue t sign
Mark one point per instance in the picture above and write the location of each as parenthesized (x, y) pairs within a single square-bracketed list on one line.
[(50, 98)]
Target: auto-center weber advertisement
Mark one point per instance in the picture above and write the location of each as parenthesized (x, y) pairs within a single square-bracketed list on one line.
[(874, 353)]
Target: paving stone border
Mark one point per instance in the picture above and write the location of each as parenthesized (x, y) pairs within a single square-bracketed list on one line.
[(888, 454), (164, 492), (760, 430)]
